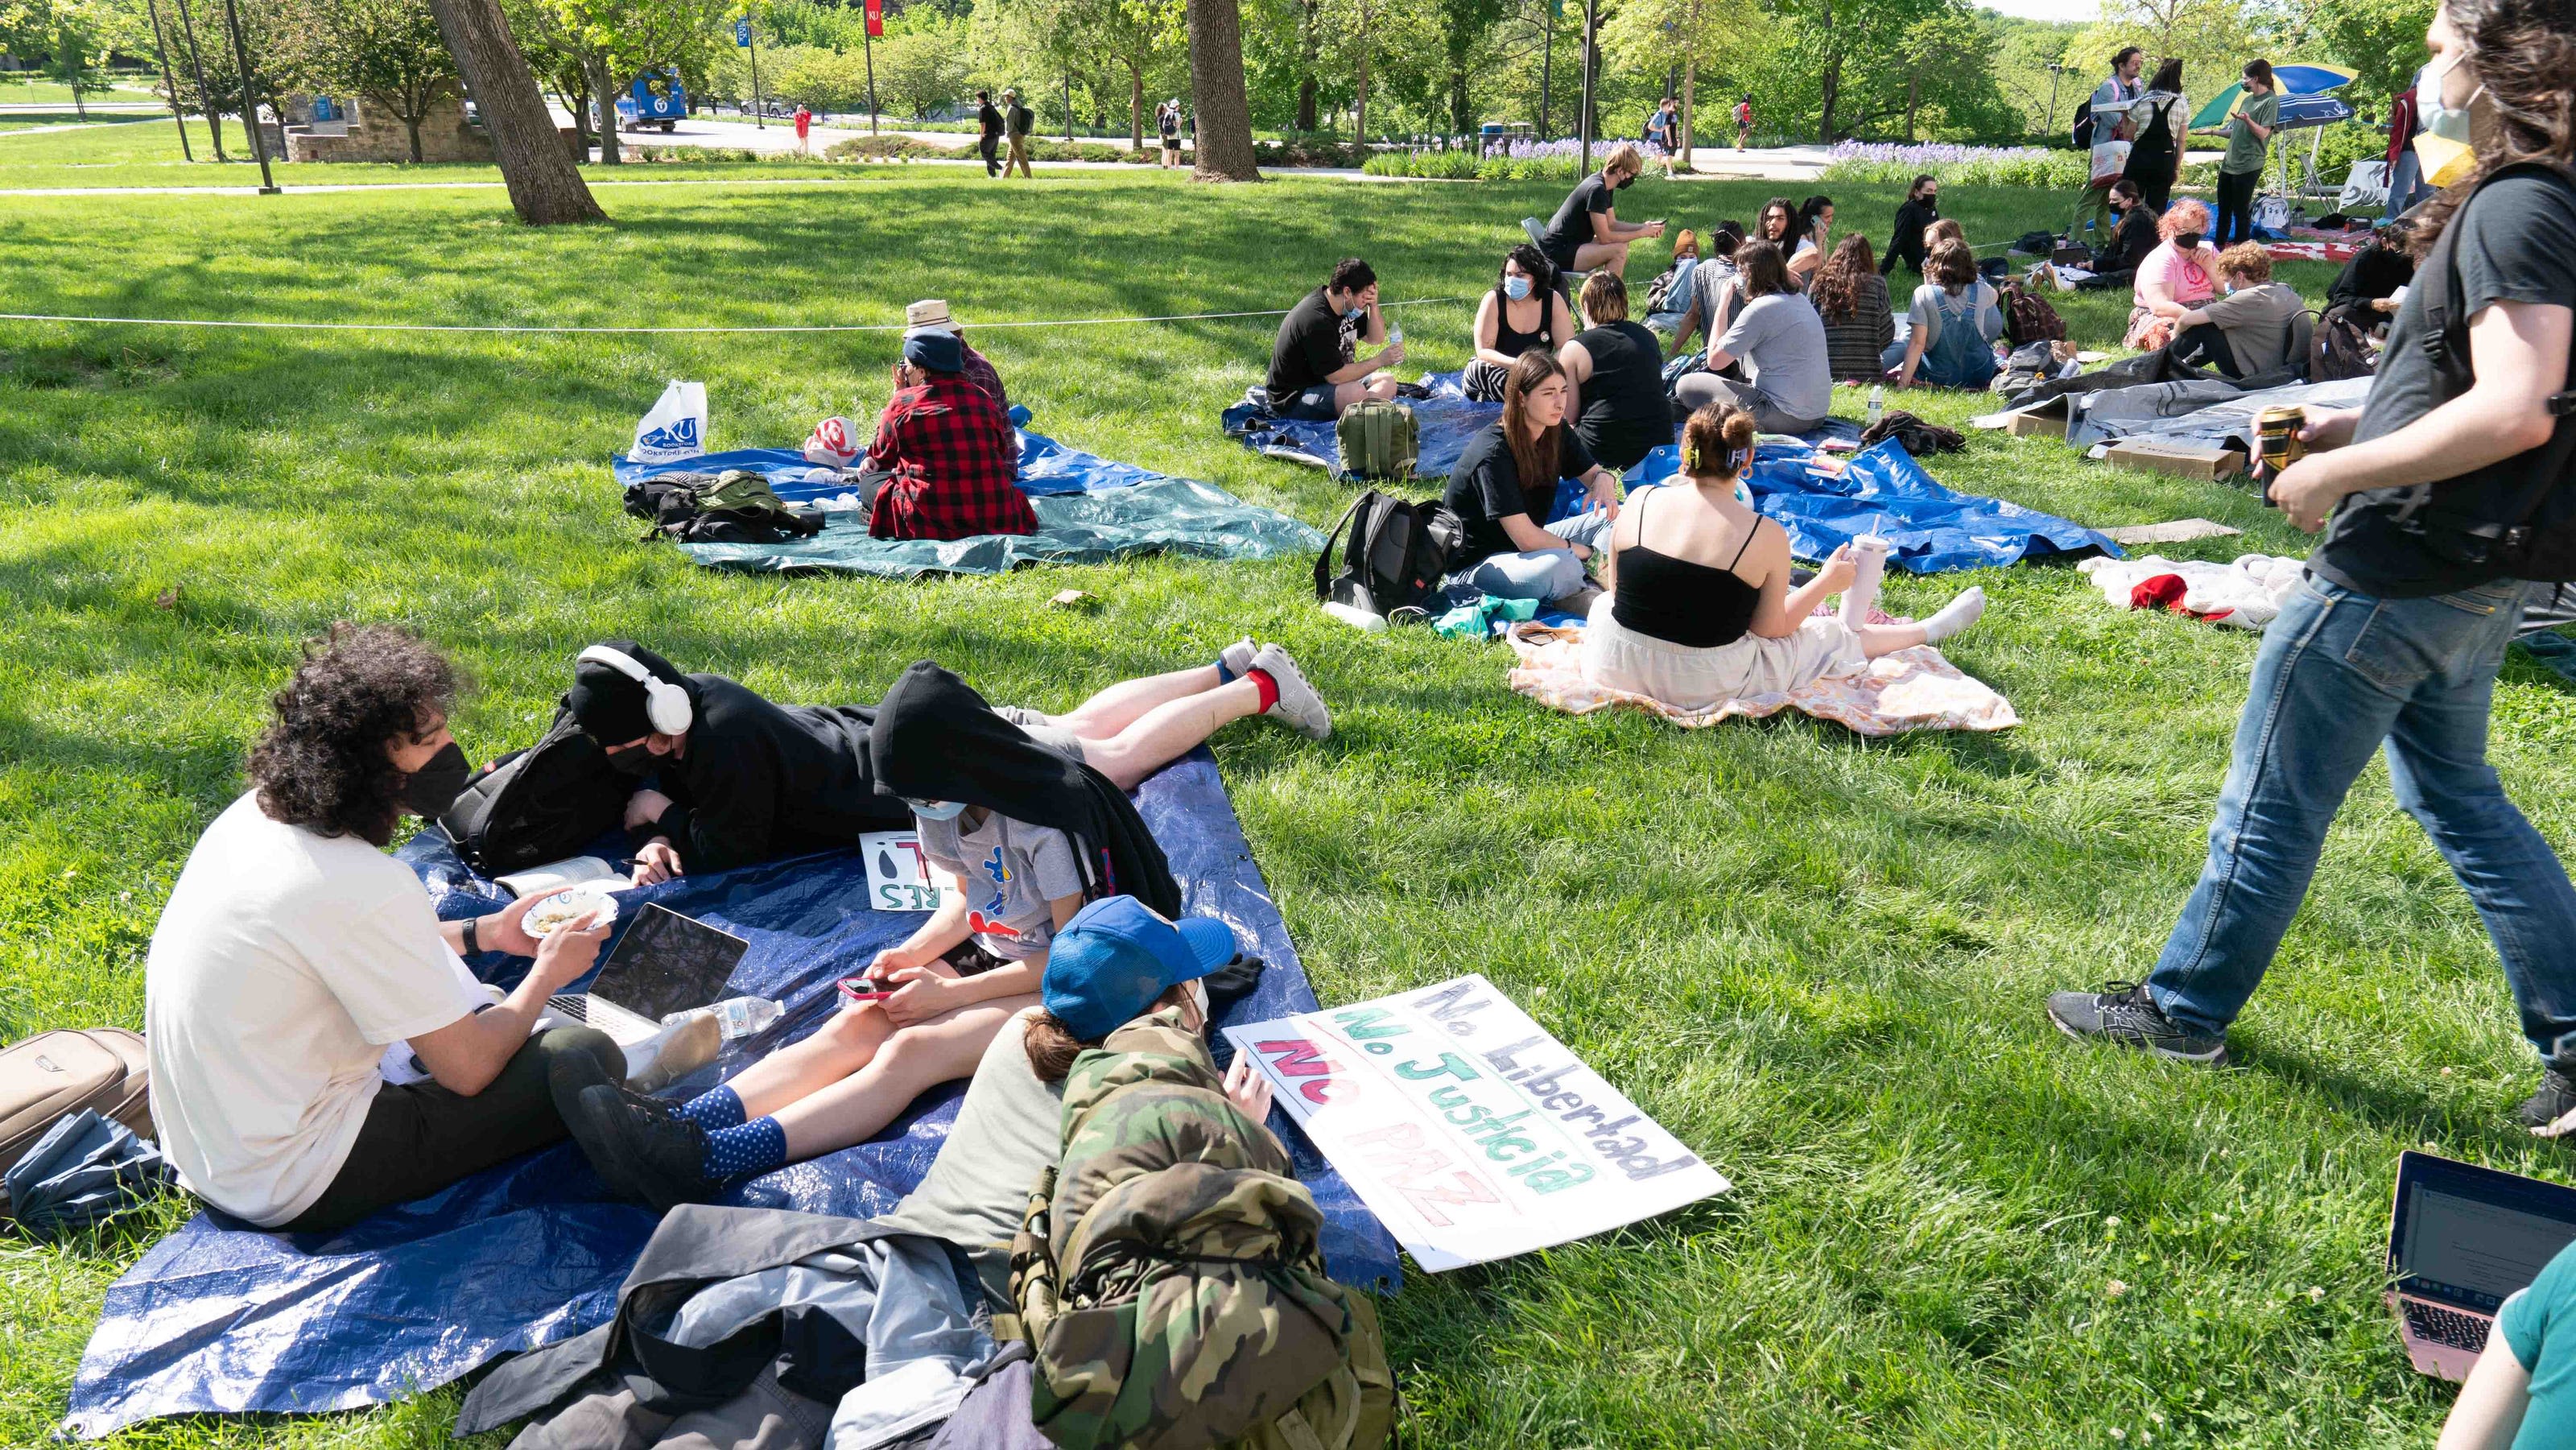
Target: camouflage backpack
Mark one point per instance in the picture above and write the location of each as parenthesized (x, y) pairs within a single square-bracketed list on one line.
[(1378, 440), (1167, 1274)]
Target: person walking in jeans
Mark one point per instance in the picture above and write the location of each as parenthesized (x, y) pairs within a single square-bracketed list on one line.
[(2396, 634)]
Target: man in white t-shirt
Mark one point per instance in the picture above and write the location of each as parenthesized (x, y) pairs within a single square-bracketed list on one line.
[(294, 951)]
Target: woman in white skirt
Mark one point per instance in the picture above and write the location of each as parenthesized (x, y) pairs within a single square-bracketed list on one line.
[(1699, 609)]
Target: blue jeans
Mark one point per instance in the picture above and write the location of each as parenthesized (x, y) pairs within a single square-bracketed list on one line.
[(2339, 673), (1544, 574)]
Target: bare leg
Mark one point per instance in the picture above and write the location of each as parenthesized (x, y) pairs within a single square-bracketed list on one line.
[(840, 1047), (1169, 731), (1887, 639), (1123, 704), (1601, 257), (857, 1107)]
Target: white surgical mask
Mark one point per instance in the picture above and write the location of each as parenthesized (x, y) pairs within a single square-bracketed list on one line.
[(937, 810), (2439, 117), (1516, 288)]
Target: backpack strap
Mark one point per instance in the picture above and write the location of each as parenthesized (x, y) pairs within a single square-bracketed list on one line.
[(1324, 560)]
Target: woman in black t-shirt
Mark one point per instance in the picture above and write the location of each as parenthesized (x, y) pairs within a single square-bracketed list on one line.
[(1616, 370), (1506, 553)]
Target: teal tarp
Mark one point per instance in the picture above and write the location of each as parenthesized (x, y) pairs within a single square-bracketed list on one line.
[(1171, 515)]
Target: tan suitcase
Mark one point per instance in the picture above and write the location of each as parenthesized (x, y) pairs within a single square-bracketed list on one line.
[(53, 1074)]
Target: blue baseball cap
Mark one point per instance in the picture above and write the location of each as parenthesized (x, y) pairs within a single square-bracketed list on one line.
[(1116, 956)]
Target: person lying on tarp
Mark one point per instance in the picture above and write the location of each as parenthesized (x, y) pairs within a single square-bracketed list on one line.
[(1027, 833), (944, 463), (737, 779), (293, 952)]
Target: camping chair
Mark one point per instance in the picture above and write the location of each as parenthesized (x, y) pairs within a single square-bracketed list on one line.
[(1572, 279)]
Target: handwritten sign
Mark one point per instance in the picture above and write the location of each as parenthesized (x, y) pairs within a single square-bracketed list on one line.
[(1466, 1128), (899, 876)]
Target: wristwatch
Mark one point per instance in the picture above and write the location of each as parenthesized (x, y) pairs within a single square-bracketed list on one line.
[(470, 924)]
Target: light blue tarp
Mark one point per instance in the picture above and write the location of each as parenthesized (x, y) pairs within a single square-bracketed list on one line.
[(221, 1317), (1046, 467), (1882, 490)]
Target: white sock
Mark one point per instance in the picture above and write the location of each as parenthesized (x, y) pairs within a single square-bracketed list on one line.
[(1956, 615)]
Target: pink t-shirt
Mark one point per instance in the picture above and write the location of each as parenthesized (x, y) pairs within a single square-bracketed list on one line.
[(2186, 278)]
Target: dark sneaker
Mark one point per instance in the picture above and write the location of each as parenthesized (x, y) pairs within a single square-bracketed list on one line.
[(649, 1154), (2123, 1013), (2551, 1112)]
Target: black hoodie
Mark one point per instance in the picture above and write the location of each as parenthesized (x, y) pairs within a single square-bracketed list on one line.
[(760, 781), (935, 739)]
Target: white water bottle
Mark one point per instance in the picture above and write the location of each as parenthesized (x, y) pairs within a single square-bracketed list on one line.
[(1869, 561), (1877, 403)]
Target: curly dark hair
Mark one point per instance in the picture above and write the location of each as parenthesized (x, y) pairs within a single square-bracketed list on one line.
[(1839, 282), (321, 763)]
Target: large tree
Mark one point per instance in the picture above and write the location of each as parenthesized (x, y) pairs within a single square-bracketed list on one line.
[(613, 41), (75, 38), (389, 52), (545, 185), (1224, 150), (1690, 35)]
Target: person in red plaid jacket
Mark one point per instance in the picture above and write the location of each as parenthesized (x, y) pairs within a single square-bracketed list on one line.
[(944, 451)]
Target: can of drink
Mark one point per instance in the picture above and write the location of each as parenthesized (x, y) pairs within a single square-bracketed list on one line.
[(2276, 435)]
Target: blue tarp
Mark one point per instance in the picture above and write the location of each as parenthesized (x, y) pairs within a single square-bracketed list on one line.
[(220, 1317), (1881, 489), (1445, 421), (1046, 468)]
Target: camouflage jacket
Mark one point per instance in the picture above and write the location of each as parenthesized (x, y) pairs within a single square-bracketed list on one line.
[(1167, 1272)]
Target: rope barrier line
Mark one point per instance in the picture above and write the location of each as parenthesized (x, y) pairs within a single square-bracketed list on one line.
[(745, 328)]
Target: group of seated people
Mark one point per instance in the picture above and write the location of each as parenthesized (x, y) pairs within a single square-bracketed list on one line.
[(2214, 309), (294, 951), (944, 462)]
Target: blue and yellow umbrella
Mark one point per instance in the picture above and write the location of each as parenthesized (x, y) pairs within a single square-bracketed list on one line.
[(2297, 78)]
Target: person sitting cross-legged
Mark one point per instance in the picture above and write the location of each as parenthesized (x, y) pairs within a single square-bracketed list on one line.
[(1615, 369), (1506, 481), (1700, 609), (2246, 329), (1315, 369), (1777, 336), (1955, 318), (944, 463), (1025, 833), (1525, 310)]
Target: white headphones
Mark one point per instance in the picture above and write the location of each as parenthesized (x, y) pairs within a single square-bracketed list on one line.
[(666, 706)]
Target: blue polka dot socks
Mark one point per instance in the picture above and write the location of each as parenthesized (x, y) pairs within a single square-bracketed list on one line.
[(745, 1149), (715, 1110)]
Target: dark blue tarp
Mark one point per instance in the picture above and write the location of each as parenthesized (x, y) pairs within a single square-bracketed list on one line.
[(1881, 489), (1445, 421), (225, 1318)]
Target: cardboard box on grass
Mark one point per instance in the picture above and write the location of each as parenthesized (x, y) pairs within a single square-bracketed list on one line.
[(2183, 460)]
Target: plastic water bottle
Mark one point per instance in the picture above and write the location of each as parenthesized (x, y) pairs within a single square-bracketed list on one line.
[(736, 1017), (1877, 403)]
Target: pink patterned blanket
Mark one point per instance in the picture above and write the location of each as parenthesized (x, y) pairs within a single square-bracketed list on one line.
[(1913, 689)]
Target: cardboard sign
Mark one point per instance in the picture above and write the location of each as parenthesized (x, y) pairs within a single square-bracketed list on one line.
[(1470, 1132), (899, 876)]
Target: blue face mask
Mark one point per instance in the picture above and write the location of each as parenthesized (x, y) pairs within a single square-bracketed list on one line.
[(937, 810), (1516, 288), (2438, 118), (1356, 313)]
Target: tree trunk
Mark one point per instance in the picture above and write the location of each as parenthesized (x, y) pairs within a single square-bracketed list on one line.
[(205, 97), (603, 96), (411, 126), (1224, 143), (545, 185), (1913, 101), (1135, 106), (1359, 111), (1690, 64), (1307, 120), (1832, 93), (169, 83)]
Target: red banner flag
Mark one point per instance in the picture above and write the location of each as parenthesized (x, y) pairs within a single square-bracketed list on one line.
[(876, 17)]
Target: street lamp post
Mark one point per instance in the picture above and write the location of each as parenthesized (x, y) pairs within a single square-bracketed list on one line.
[(2055, 69)]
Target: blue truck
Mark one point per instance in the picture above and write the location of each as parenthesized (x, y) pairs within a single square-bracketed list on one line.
[(654, 99)]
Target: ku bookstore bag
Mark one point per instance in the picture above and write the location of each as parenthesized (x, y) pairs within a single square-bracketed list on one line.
[(1167, 1275), (1392, 554), (2517, 516), (54, 1074), (736, 506), (538, 805), (1378, 440)]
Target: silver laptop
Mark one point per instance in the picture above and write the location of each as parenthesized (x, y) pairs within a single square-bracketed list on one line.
[(665, 963), (2461, 1240)]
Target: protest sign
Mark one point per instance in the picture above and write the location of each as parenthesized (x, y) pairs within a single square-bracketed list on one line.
[(899, 877), (1469, 1131)]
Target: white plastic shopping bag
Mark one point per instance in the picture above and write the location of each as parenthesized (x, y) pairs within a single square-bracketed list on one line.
[(2110, 158), (832, 444), (676, 428)]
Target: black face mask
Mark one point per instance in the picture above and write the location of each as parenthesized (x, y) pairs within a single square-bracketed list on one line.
[(1626, 182), (2186, 241), (430, 790), (634, 761)]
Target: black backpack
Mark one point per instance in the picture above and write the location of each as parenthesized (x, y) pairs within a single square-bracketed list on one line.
[(2517, 516), (538, 805), (1395, 556), (736, 506), (2339, 348)]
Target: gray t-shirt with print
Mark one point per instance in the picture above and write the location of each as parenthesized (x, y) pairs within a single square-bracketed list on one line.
[(1011, 870)]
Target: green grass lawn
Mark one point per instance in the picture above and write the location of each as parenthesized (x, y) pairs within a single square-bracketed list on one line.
[(1817, 958)]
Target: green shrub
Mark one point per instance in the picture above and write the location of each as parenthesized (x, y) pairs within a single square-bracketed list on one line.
[(1468, 166)]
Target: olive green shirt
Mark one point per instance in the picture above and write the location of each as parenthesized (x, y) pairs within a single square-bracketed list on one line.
[(2245, 150)]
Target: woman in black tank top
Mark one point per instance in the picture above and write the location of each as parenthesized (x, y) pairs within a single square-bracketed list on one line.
[(1700, 610), (1507, 326)]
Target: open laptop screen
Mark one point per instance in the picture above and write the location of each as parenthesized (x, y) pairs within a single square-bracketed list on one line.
[(668, 963), (2473, 1236)]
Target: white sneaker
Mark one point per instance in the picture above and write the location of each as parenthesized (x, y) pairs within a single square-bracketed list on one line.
[(1299, 707), (1237, 657)]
